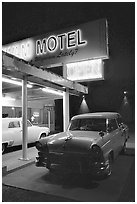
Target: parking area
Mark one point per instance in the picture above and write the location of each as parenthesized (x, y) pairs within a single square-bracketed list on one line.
[(74, 186)]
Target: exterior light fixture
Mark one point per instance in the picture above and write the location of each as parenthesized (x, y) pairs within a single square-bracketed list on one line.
[(125, 92), (18, 83), (83, 107), (52, 91)]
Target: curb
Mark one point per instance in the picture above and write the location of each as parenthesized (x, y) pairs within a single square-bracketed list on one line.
[(5, 171)]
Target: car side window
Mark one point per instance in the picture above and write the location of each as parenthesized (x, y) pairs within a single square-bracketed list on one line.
[(11, 125), (112, 125), (14, 124), (119, 120)]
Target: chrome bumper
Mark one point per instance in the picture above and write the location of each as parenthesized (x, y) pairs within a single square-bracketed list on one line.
[(41, 160), (94, 168), (98, 168)]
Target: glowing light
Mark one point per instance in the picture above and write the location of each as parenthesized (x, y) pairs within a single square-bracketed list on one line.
[(125, 109), (68, 40), (36, 114), (52, 91), (85, 70), (18, 83), (125, 92), (84, 107), (125, 101), (22, 49)]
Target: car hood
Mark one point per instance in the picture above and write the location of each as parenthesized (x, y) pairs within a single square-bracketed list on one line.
[(72, 141)]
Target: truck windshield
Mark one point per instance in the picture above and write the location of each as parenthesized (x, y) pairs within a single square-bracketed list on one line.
[(88, 124)]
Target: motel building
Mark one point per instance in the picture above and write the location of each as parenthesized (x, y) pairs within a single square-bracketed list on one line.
[(43, 74)]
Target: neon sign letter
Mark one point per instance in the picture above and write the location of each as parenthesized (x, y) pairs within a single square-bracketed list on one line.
[(71, 39), (41, 47), (79, 41), (61, 37), (52, 44)]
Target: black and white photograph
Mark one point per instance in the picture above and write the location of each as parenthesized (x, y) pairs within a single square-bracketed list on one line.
[(68, 101)]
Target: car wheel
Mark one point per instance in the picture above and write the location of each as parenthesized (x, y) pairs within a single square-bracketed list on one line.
[(48, 165), (3, 148), (43, 135)]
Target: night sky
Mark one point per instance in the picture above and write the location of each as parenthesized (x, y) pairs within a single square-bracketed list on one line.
[(22, 20)]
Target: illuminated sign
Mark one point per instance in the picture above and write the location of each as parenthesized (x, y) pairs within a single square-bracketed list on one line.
[(36, 114), (63, 41), (79, 43), (86, 70), (23, 49)]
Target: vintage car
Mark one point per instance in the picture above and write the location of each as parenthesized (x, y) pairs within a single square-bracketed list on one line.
[(12, 132), (90, 144)]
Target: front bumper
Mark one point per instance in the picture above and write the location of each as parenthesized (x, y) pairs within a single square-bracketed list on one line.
[(75, 162), (10, 143), (99, 168), (41, 160)]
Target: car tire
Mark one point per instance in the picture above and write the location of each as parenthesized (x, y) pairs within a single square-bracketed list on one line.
[(108, 170), (48, 165), (110, 161), (3, 148)]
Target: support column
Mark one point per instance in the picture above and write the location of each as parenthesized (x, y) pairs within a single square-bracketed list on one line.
[(24, 119), (49, 119), (65, 103), (65, 109)]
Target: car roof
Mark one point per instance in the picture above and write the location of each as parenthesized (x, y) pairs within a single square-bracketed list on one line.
[(11, 119), (110, 115)]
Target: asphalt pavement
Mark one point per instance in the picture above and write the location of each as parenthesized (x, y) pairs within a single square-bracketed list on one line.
[(22, 181)]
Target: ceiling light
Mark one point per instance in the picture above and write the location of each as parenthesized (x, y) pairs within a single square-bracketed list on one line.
[(18, 83), (52, 91)]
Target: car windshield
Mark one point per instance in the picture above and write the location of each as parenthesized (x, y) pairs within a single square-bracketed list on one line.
[(88, 124)]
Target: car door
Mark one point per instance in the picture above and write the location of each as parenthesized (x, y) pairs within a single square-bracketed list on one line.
[(115, 136), (15, 132)]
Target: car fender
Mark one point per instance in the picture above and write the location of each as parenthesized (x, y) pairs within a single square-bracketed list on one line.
[(107, 153), (8, 143), (43, 131)]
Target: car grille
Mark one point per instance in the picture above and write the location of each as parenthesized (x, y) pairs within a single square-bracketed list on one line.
[(65, 158)]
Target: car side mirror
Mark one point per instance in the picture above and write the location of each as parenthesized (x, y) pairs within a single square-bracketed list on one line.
[(101, 133)]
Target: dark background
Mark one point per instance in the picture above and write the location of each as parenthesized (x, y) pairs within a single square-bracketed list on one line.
[(22, 20)]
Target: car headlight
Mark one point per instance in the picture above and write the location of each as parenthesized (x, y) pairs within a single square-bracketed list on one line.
[(96, 152), (38, 145)]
